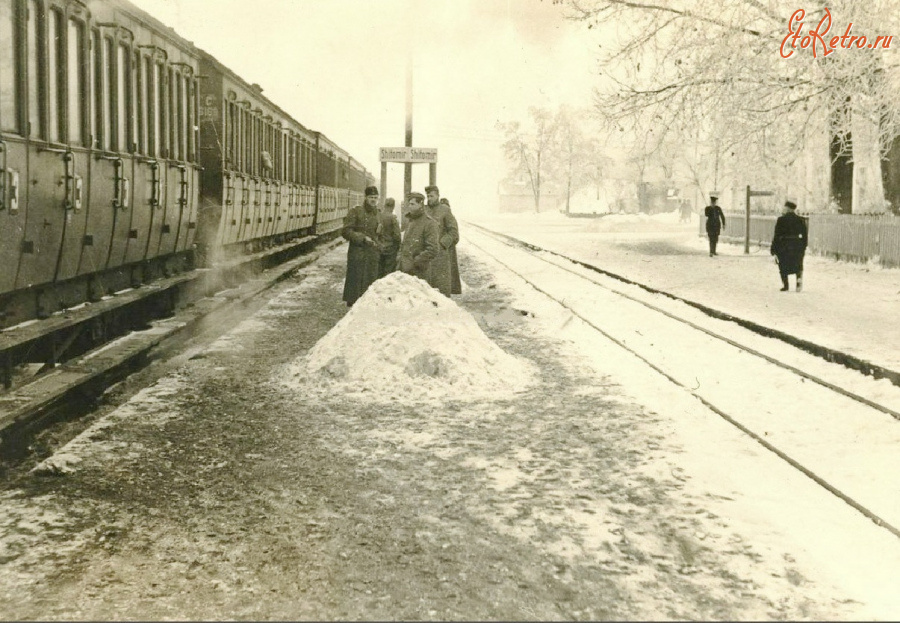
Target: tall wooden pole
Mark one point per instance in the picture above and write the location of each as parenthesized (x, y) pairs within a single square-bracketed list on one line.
[(407, 167)]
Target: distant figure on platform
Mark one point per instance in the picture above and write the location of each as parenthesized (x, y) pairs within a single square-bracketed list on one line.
[(441, 276), (789, 244), (715, 221), (455, 283), (363, 255), (685, 211), (420, 239), (388, 239)]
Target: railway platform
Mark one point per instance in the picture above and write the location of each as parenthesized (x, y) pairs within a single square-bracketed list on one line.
[(843, 313)]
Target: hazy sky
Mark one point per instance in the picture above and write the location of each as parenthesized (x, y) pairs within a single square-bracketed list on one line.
[(339, 66)]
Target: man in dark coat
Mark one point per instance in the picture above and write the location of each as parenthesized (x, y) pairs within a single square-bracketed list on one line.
[(715, 222), (455, 282), (388, 238), (363, 254), (420, 239), (448, 235), (789, 244)]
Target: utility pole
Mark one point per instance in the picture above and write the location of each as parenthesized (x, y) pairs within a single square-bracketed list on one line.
[(407, 167)]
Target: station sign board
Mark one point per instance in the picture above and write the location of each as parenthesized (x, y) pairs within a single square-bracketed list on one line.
[(409, 154)]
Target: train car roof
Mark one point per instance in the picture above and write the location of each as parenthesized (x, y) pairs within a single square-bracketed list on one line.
[(150, 22), (170, 33), (256, 90)]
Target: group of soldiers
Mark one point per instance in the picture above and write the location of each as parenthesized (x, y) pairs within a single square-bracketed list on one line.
[(789, 239), (424, 246)]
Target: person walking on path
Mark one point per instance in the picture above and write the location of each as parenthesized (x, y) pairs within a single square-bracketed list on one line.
[(455, 282), (441, 276), (388, 239), (420, 239), (363, 254), (715, 222), (789, 244)]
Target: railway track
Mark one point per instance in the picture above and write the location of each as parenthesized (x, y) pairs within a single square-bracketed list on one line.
[(830, 423)]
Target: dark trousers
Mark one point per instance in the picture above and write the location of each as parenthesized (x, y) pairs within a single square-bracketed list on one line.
[(387, 265), (713, 240)]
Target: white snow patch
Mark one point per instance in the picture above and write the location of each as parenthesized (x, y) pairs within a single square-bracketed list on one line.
[(403, 339)]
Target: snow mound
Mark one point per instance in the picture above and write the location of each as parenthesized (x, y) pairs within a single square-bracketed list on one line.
[(404, 339)]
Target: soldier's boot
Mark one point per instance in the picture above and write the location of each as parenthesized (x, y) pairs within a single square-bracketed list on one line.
[(799, 283), (784, 283)]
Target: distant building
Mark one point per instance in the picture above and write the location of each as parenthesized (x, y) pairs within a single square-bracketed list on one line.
[(514, 197)]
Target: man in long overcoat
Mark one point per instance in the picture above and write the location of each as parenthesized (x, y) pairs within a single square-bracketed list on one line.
[(455, 282), (363, 255), (441, 276), (388, 238), (789, 244), (715, 222), (420, 239)]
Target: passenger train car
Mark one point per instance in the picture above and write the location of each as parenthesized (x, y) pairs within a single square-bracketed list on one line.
[(128, 154)]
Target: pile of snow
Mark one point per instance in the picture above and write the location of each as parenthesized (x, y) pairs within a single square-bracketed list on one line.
[(405, 340)]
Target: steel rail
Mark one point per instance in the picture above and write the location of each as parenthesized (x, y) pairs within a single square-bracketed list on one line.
[(845, 392), (871, 515)]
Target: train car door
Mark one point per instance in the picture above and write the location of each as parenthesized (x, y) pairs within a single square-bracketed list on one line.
[(147, 189), (189, 185), (74, 108), (116, 123), (176, 172), (50, 182), (162, 221), (16, 113)]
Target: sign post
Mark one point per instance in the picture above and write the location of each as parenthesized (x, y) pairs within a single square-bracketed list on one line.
[(409, 156), (752, 193)]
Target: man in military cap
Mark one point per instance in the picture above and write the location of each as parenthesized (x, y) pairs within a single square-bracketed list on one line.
[(441, 276), (420, 239), (715, 221), (388, 238), (789, 244), (363, 255)]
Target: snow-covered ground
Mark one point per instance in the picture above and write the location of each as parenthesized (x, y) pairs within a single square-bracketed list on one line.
[(604, 490), (845, 306), (755, 494)]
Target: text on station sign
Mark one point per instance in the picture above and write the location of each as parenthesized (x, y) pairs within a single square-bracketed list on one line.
[(409, 154)]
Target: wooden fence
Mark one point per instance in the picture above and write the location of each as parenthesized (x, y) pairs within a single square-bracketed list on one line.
[(854, 237)]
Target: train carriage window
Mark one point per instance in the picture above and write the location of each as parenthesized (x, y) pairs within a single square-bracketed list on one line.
[(140, 104), (108, 78), (182, 118), (293, 164), (279, 148), (172, 112), (35, 62), (9, 118), (162, 112), (242, 130), (94, 88), (238, 139), (192, 119), (172, 100), (254, 146), (55, 74), (231, 135), (123, 90), (134, 70), (152, 85), (76, 82)]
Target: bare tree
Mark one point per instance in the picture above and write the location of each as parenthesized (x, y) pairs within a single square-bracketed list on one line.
[(526, 149), (734, 74)]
